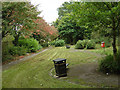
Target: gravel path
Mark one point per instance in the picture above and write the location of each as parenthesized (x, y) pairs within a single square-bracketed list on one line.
[(6, 66)]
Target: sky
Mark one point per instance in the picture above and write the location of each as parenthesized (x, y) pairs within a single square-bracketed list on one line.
[(48, 8)]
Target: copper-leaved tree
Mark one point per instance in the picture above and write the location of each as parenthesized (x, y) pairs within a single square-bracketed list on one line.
[(17, 18), (44, 31)]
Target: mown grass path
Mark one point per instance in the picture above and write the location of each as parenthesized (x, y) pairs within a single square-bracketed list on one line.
[(34, 72)]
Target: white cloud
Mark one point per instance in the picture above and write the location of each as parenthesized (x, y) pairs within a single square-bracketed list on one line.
[(48, 8)]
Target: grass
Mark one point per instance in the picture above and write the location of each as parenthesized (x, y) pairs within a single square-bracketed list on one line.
[(34, 72), (104, 51)]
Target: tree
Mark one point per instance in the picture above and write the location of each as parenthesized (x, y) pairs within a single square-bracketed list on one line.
[(95, 16), (70, 31), (65, 8), (100, 14), (110, 17), (18, 18), (67, 24), (44, 31)]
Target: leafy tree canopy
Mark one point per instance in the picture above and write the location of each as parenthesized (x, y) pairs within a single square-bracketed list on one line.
[(17, 17), (103, 17)]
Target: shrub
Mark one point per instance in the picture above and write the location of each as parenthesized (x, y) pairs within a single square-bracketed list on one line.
[(98, 46), (17, 50), (8, 38), (103, 39), (6, 58), (52, 42), (45, 44), (6, 45), (79, 45), (108, 65), (90, 44), (31, 44), (59, 43), (107, 43), (9, 50), (85, 42)]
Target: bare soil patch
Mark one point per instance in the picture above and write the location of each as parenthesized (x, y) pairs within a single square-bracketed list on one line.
[(89, 74)]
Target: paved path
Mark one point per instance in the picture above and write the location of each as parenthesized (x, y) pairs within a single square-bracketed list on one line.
[(6, 66)]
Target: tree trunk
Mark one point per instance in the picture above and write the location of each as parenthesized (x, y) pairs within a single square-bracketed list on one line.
[(119, 38), (114, 41), (114, 48), (15, 42)]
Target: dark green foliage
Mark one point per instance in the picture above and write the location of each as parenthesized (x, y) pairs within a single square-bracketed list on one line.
[(9, 51), (70, 32), (6, 57), (17, 50), (108, 41), (59, 43), (6, 45), (24, 46), (31, 44), (44, 44), (67, 23), (5, 51), (81, 44), (101, 17), (109, 65)]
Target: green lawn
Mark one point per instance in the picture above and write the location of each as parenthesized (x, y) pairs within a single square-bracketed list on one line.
[(104, 51), (34, 72)]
